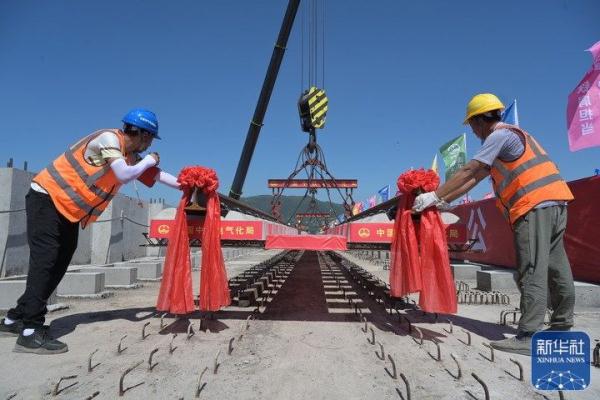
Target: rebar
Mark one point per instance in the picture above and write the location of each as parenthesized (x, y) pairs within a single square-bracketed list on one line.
[(482, 383), (420, 341), (382, 356), (200, 386), (93, 395), (230, 347), (90, 366), (365, 327), (491, 358), (190, 331), (128, 370), (439, 352), (216, 363), (468, 342), (150, 365), (459, 374), (57, 389), (144, 336), (171, 348), (520, 377), (372, 340), (120, 349), (392, 374), (407, 387), (162, 321), (451, 327)]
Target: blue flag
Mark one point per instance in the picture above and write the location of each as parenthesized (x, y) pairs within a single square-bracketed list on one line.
[(510, 115), (384, 193)]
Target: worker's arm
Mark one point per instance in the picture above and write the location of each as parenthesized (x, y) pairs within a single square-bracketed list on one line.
[(167, 179), (126, 173), (462, 181)]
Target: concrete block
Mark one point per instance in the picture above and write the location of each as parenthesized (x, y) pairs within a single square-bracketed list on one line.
[(497, 280), (81, 284), (115, 276), (462, 272), (149, 270), (12, 288), (587, 295)]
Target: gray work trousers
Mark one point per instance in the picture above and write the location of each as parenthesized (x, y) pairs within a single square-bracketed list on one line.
[(544, 269)]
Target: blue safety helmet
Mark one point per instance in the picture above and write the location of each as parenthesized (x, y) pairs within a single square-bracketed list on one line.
[(143, 119)]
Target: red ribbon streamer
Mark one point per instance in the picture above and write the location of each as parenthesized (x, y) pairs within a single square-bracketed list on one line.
[(419, 250), (176, 295)]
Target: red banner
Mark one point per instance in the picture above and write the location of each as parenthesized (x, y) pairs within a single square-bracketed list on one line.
[(230, 230), (306, 242), (383, 232), (495, 239)]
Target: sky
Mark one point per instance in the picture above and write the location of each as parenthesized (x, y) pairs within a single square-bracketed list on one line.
[(398, 75)]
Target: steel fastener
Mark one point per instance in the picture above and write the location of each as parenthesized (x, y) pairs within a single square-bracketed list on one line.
[(90, 366), (392, 374), (200, 385), (439, 352), (230, 347), (121, 349), (150, 365), (144, 336), (451, 327), (468, 342), (171, 348), (407, 388), (520, 377), (128, 370), (57, 389), (491, 358), (372, 340), (459, 373), (482, 383), (420, 341), (382, 356), (216, 363)]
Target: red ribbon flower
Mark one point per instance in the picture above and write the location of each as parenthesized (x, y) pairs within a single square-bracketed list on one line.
[(418, 181)]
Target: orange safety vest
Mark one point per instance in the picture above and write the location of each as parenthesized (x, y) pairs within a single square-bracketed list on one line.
[(531, 179), (79, 190)]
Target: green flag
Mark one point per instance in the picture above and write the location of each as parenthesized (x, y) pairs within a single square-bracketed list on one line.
[(454, 154)]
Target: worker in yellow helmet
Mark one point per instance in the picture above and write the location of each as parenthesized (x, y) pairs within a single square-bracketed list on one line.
[(533, 197)]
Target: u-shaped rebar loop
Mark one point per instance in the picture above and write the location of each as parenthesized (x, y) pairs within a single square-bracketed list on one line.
[(451, 327), (57, 389), (230, 347), (393, 374), (372, 340), (491, 357), (248, 321), (468, 342), (122, 390), (144, 336), (407, 387), (520, 377), (90, 366), (90, 397), (162, 321), (200, 386), (216, 363), (171, 348), (502, 316), (121, 349), (150, 365), (439, 352), (365, 327), (482, 383), (382, 356), (459, 373), (420, 341), (190, 331)]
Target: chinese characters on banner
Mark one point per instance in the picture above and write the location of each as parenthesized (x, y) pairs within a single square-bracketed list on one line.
[(230, 230), (583, 108)]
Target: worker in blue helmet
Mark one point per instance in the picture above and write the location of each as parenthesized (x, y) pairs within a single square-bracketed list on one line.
[(70, 193)]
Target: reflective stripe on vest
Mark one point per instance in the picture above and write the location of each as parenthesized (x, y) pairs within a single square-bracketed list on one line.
[(521, 185)]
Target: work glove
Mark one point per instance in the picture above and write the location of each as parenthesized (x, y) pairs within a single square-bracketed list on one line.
[(426, 200)]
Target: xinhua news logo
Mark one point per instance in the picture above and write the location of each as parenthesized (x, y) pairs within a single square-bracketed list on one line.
[(560, 360)]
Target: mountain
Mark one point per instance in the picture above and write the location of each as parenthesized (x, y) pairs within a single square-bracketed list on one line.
[(290, 205)]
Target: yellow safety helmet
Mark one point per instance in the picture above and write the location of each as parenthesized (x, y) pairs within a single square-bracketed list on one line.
[(482, 103)]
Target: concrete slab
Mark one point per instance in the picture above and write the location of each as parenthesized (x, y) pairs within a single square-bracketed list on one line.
[(81, 284), (587, 295), (496, 280), (12, 288), (150, 270), (121, 276), (463, 272)]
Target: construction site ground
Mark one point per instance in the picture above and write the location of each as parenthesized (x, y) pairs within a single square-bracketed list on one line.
[(307, 341)]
